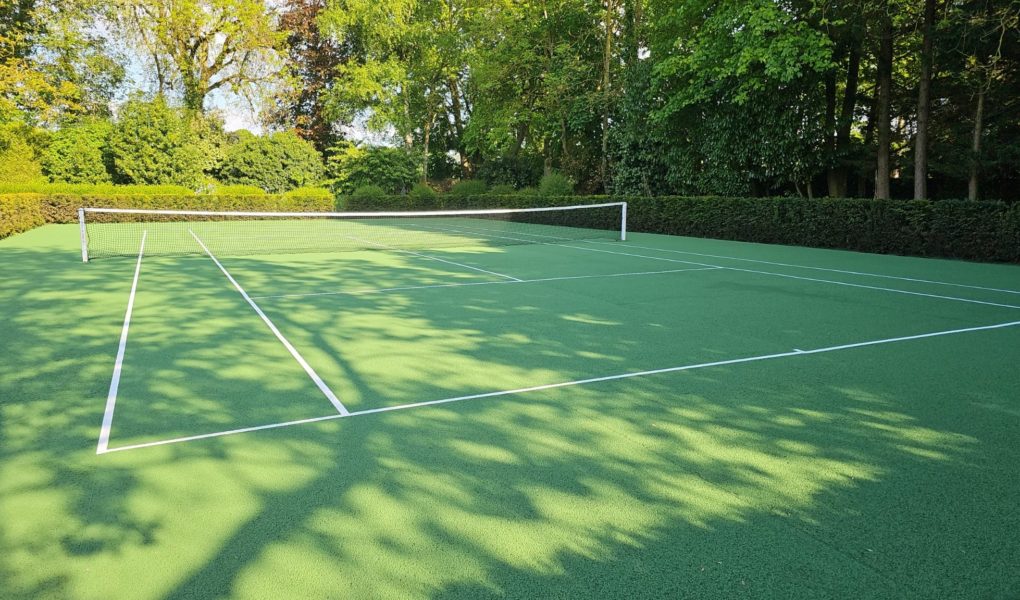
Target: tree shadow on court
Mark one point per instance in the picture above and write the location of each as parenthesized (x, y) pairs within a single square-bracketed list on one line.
[(833, 477)]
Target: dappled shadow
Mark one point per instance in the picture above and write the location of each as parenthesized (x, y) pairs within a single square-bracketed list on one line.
[(880, 475)]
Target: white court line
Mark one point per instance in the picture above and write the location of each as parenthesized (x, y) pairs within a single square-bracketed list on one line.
[(767, 262), (293, 351), (798, 277), (861, 273), (473, 283), (573, 383), (111, 397), (442, 260)]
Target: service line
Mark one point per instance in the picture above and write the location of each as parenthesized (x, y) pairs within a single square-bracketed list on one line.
[(719, 363)]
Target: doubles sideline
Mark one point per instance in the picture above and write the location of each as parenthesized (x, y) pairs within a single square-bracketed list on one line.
[(748, 359)]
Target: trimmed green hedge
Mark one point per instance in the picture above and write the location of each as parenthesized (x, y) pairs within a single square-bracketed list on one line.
[(988, 231), (19, 212)]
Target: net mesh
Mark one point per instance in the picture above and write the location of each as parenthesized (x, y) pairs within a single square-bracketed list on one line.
[(116, 232)]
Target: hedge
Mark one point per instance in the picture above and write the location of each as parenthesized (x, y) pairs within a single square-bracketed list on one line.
[(987, 231), (19, 212)]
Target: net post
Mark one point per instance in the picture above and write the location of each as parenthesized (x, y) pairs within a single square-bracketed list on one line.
[(84, 238), (623, 222)]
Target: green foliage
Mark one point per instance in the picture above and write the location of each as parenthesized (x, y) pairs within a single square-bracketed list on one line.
[(468, 187), (393, 169), (79, 154), (502, 189), (528, 191), (237, 190), (309, 192), (556, 184), (369, 191), (17, 161), (423, 194), (19, 212), (102, 189), (275, 163), (152, 143)]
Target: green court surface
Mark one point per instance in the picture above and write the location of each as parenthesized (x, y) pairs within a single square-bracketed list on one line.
[(658, 418)]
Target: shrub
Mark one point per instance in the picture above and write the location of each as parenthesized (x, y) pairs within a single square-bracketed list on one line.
[(19, 212), (309, 192), (152, 144), (237, 190), (502, 189), (369, 192), (80, 154), (423, 194), (468, 187), (528, 191), (556, 184), (275, 163), (350, 166), (98, 189), (18, 156)]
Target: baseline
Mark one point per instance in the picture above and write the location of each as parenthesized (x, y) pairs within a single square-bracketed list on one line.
[(748, 359), (111, 396), (286, 344)]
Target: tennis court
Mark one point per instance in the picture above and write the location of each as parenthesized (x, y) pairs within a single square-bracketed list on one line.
[(458, 407)]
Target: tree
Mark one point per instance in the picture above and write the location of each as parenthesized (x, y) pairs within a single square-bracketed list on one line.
[(350, 167), (276, 163), (203, 45), (79, 153), (924, 103), (151, 143), (312, 61)]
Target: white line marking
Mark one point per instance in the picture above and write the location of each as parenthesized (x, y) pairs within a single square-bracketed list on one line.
[(780, 264), (442, 260), (843, 283), (293, 351), (473, 283), (573, 383), (111, 397)]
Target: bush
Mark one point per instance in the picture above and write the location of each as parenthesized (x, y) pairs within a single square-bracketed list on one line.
[(369, 192), (19, 212), (502, 189), (468, 187), (351, 166), (18, 163), (98, 189), (237, 190), (80, 154), (309, 192), (275, 163), (556, 184), (151, 143), (528, 191), (424, 195)]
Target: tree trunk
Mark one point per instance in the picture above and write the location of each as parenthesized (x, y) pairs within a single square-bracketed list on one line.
[(458, 124), (607, 57), (924, 105), (885, 60), (975, 148), (837, 180), (830, 121), (426, 136)]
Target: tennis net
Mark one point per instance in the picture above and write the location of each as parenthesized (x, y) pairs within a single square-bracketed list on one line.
[(107, 232)]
